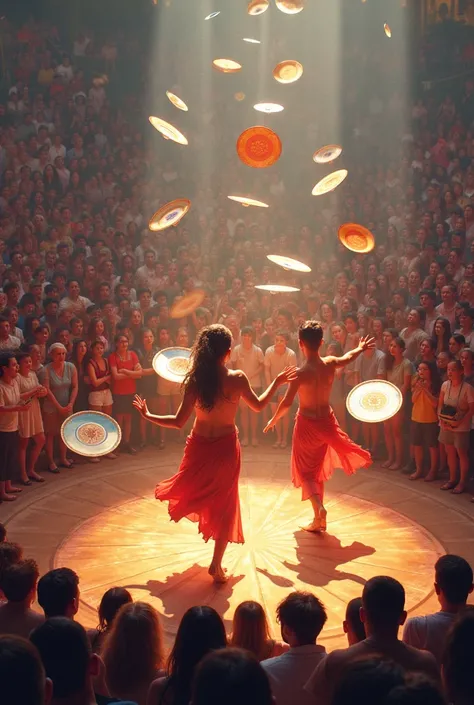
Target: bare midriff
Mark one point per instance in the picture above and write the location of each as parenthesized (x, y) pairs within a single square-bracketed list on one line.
[(220, 421)]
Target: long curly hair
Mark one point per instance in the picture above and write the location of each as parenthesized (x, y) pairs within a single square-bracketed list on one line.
[(204, 378)]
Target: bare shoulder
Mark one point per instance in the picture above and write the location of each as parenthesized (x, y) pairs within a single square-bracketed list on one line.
[(236, 379), (329, 361)]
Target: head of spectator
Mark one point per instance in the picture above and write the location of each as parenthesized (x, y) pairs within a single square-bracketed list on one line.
[(112, 600), (417, 690), (18, 582), (467, 361), (428, 301), (65, 651), (367, 681), (22, 674), (383, 607), (453, 582), (457, 663), (133, 651), (301, 616), (58, 593), (353, 625), (233, 677), (250, 629)]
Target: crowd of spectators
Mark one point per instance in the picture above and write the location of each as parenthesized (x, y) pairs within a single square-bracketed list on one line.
[(46, 656)]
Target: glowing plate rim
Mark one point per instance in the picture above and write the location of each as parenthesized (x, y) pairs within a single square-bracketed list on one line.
[(169, 131), (373, 381), (302, 266), (95, 451), (168, 375)]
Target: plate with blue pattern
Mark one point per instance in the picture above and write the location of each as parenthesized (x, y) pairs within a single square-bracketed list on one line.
[(91, 433)]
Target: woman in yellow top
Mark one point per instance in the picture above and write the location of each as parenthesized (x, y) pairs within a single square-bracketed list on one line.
[(424, 418)]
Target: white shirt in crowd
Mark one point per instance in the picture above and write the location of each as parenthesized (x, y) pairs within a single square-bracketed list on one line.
[(276, 363), (11, 343), (9, 396), (80, 305), (250, 362), (429, 632), (289, 673)]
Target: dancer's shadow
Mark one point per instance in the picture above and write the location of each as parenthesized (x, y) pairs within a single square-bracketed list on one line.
[(180, 591), (319, 555), (277, 580)]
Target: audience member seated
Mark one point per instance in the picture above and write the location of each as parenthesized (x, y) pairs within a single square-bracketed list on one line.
[(68, 661), (3, 533), (301, 616), (382, 612), (368, 681), (453, 585), (22, 676), (112, 600), (231, 677), (200, 632), (133, 652), (10, 553), (353, 625), (250, 631), (416, 691), (58, 593), (18, 583), (458, 661)]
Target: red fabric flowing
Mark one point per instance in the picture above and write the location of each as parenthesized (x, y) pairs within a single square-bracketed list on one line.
[(320, 446), (206, 487)]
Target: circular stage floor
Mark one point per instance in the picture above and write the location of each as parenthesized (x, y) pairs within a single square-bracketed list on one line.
[(104, 522)]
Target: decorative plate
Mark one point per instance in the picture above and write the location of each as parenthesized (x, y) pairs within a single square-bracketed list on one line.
[(172, 363), (268, 108), (168, 131), (290, 7), (169, 214), (248, 201), (288, 71), (258, 7), (259, 147), (276, 288), (356, 238), (177, 102), (330, 182), (374, 401), (187, 304), (91, 433), (289, 263), (227, 65), (327, 154)]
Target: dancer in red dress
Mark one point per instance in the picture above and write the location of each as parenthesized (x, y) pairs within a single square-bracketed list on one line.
[(319, 444), (206, 486)]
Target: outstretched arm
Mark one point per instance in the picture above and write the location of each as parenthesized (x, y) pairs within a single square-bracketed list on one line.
[(171, 421), (365, 343), (258, 403), (285, 405)]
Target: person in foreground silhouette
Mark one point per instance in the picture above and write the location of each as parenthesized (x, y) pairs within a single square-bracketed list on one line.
[(206, 487), (319, 444)]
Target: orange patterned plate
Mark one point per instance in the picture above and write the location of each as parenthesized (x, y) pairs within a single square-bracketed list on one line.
[(187, 304), (356, 238), (290, 7), (169, 214), (327, 154), (258, 7), (288, 71), (374, 401), (330, 182), (168, 131), (259, 147), (227, 65)]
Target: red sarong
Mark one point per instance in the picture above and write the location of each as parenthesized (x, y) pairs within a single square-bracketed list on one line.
[(206, 487), (319, 446)]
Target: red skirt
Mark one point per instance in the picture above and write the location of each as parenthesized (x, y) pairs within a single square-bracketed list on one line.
[(320, 446), (206, 487)]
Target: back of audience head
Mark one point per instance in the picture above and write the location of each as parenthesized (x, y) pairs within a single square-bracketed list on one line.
[(112, 600), (458, 660), (416, 691), (200, 631), (19, 581), (3, 533), (367, 681), (58, 593), (383, 603), (250, 628), (10, 553), (22, 675), (302, 617), (231, 677), (453, 580), (66, 654), (133, 650), (353, 625)]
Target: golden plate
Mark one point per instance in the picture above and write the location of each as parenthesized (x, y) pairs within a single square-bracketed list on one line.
[(330, 182), (288, 71), (277, 288), (327, 154), (239, 96), (356, 238), (387, 30), (169, 214), (268, 108), (227, 65), (288, 263), (168, 131), (290, 7), (177, 102), (259, 147), (172, 364), (187, 304), (374, 401), (258, 7), (248, 201)]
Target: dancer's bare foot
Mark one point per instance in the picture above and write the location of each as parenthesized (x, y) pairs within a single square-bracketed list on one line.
[(315, 527), (218, 574), (323, 517)]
